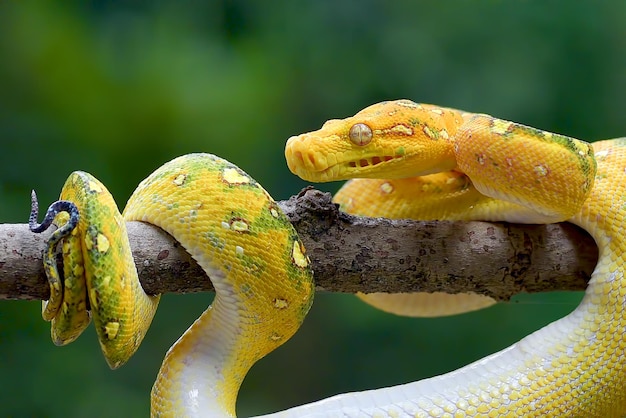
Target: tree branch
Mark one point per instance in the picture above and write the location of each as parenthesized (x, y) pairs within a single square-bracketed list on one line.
[(351, 254)]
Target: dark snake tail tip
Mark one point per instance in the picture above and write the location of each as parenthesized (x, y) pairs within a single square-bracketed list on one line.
[(53, 210)]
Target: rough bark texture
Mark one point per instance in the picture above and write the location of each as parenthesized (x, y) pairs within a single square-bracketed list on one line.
[(351, 254)]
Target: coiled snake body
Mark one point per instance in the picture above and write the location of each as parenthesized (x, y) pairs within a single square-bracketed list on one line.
[(417, 161)]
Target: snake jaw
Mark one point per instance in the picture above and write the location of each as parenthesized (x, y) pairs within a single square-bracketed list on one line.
[(316, 167), (319, 159), (365, 167)]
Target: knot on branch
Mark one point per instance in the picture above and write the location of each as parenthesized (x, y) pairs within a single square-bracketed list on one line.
[(311, 211)]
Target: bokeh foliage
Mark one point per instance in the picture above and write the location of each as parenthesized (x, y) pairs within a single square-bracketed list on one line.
[(119, 89)]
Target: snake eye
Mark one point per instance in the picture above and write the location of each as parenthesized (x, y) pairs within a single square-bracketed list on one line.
[(360, 134)]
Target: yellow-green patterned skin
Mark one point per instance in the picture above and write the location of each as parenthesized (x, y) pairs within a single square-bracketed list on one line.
[(258, 266), (247, 246), (97, 266), (427, 162)]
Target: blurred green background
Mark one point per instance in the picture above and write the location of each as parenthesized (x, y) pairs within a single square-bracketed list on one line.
[(119, 89)]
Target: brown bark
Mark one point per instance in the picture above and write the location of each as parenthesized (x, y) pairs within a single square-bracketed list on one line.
[(351, 254)]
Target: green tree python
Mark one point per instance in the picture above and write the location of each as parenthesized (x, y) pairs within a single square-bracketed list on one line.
[(406, 160)]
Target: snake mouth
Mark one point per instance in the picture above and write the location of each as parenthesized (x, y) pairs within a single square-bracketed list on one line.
[(314, 165), (310, 166), (371, 161), (362, 167)]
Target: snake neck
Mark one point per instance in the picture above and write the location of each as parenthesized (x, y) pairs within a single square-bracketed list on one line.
[(209, 363), (234, 230)]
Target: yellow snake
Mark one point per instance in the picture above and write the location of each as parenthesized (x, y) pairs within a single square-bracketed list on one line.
[(436, 163), (238, 235), (428, 162)]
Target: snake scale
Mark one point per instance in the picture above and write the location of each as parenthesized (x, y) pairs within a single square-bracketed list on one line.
[(406, 160)]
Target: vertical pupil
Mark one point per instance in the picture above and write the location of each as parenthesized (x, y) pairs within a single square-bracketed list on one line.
[(360, 134)]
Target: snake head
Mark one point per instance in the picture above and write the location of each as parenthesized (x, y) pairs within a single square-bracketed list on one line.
[(392, 139)]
